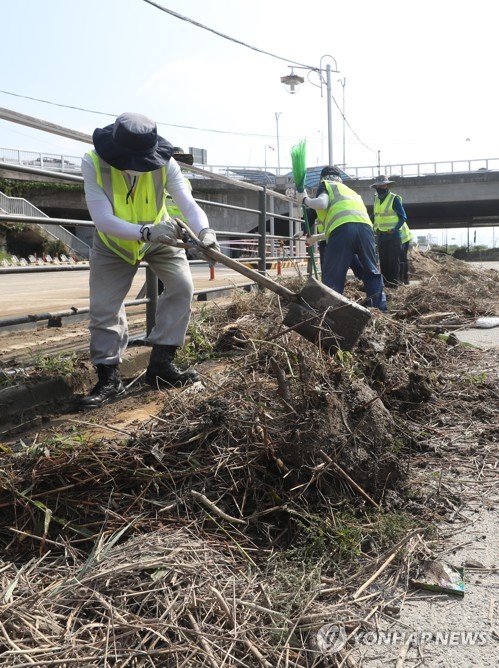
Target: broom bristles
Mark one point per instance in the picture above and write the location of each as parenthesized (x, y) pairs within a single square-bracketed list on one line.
[(299, 163)]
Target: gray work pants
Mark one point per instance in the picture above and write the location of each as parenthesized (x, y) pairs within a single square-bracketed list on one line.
[(110, 281)]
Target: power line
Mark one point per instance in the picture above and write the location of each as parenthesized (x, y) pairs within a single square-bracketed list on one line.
[(221, 34), (114, 115), (254, 48), (191, 127), (351, 129)]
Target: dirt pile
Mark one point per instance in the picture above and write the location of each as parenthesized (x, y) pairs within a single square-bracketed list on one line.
[(279, 423)]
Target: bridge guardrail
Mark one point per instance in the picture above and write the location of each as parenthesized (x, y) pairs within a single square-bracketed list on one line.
[(263, 175), (50, 161)]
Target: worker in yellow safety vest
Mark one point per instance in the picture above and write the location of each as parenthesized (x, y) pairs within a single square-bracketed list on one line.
[(316, 221), (389, 216), (348, 232), (125, 178)]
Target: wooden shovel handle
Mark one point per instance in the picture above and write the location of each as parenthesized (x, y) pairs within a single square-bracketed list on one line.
[(260, 279)]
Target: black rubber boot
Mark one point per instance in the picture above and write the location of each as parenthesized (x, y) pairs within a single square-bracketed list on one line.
[(109, 387), (162, 372)]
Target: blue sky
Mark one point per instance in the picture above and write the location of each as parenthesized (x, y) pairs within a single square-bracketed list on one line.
[(418, 75)]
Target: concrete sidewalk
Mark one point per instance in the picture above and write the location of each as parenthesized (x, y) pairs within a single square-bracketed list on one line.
[(481, 338)]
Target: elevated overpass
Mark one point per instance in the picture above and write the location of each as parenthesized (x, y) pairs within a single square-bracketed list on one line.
[(461, 194), (445, 200)]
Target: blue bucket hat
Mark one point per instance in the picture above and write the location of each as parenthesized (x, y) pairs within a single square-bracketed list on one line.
[(132, 142)]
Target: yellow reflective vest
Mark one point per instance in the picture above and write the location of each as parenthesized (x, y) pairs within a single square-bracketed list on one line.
[(385, 217), (145, 205), (405, 233), (345, 206)]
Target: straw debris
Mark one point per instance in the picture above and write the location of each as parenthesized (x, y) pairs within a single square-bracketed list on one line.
[(293, 490)]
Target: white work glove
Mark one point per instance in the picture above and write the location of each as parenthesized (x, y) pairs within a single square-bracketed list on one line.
[(314, 238), (208, 239), (300, 197), (167, 232)]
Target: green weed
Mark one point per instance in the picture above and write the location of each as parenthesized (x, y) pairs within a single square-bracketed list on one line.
[(198, 346), (61, 365), (476, 380)]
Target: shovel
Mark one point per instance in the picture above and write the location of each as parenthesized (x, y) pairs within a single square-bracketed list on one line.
[(318, 313)]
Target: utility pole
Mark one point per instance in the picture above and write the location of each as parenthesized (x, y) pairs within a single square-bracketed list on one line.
[(329, 114), (343, 82), (277, 114), (293, 81)]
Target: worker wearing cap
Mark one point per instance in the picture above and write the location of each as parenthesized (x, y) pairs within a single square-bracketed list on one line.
[(389, 216), (125, 177), (348, 232)]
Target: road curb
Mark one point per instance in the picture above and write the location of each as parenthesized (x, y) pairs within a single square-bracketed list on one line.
[(33, 400)]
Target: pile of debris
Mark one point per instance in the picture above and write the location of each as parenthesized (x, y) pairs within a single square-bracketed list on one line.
[(246, 514), (452, 293)]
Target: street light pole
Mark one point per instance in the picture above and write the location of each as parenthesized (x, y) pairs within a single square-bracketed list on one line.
[(329, 114), (271, 203), (343, 82), (292, 83), (272, 149), (277, 114)]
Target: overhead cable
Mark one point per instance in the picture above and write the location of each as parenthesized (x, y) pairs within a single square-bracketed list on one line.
[(254, 48), (114, 115)]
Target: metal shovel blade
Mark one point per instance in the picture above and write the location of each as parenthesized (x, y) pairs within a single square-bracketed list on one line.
[(318, 313), (327, 318)]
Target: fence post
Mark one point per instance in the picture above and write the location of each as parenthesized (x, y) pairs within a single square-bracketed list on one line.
[(152, 296), (262, 231)]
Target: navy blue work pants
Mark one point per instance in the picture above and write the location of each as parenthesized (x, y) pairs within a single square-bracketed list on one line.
[(389, 248), (344, 243)]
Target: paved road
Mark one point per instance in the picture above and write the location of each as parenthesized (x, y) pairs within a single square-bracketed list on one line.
[(482, 338), (31, 293)]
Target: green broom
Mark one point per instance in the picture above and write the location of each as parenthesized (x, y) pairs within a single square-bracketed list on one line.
[(298, 161)]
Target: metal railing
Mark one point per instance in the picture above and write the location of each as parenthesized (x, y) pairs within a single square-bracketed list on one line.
[(265, 250), (267, 175), (51, 161), (270, 175), (19, 206), (402, 170)]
